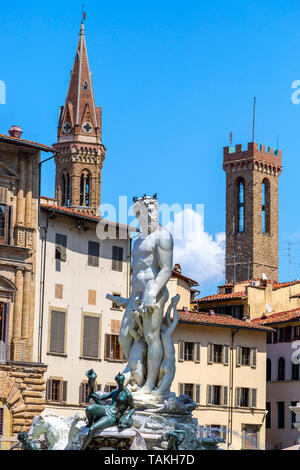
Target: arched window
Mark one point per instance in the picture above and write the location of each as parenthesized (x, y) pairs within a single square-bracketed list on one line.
[(241, 205), (265, 206), (281, 369), (269, 370), (295, 371), (85, 189), (66, 189)]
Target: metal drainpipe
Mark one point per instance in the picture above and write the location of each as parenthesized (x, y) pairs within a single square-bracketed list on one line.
[(230, 410), (42, 288)]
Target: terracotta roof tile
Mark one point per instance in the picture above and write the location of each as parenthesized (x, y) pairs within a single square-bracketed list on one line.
[(231, 295), (279, 317), (26, 142), (93, 218), (218, 320), (185, 278), (278, 285)]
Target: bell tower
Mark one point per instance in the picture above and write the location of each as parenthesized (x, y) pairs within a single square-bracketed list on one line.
[(251, 211), (80, 152)]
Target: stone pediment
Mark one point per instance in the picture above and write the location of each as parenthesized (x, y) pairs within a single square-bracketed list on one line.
[(6, 285), (7, 172)]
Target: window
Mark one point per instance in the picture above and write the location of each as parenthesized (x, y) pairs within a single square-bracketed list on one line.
[(66, 189), (60, 249), (246, 397), (296, 332), (85, 85), (241, 206), (245, 356), (285, 334), (1, 421), (250, 436), (113, 350), (56, 390), (281, 369), (268, 416), (109, 388), (293, 414), (218, 350), (191, 390), (93, 257), (265, 206), (269, 370), (91, 326), (217, 395), (85, 188), (280, 414), (188, 351), (117, 258), (269, 338), (3, 223), (57, 332), (295, 371), (216, 430)]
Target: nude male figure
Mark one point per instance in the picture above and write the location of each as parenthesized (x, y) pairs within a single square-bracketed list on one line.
[(152, 261)]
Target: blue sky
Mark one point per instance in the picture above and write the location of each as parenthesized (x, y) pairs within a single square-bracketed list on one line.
[(173, 79)]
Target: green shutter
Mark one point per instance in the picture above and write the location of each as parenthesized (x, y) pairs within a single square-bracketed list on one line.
[(238, 356), (91, 336), (226, 354), (197, 349), (180, 351), (210, 353), (253, 358), (197, 393), (57, 332)]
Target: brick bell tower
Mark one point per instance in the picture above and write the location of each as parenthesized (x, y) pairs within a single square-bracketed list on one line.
[(80, 152), (251, 212)]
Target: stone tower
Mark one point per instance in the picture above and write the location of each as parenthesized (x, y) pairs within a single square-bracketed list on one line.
[(80, 152), (251, 212)]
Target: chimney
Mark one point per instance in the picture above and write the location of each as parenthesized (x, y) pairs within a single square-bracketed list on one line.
[(177, 268), (15, 131)]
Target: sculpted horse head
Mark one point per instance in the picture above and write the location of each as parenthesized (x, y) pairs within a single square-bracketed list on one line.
[(55, 428)]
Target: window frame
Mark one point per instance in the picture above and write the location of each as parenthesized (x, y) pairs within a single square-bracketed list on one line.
[(53, 308), (93, 256), (94, 315)]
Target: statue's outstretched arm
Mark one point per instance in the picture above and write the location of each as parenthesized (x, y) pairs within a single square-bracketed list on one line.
[(120, 301), (98, 399)]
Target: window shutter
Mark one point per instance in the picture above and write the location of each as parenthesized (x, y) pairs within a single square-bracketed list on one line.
[(61, 246), (91, 336), (253, 357), (64, 391), (224, 432), (209, 394), (98, 388), (238, 356), (48, 390), (210, 353), (181, 351), (197, 349), (81, 393), (225, 396), (107, 346), (226, 354), (253, 397), (197, 393), (57, 332), (3, 195), (238, 396), (117, 258), (181, 389), (106, 388), (93, 253)]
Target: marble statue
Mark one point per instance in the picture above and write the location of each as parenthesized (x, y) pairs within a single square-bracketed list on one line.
[(101, 416), (141, 335)]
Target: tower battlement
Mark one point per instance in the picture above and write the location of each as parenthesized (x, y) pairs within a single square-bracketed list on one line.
[(254, 152)]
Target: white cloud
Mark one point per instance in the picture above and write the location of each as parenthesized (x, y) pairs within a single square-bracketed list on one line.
[(200, 254)]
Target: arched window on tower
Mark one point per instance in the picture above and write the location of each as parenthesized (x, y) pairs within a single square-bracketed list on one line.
[(241, 206), (265, 206), (66, 189), (85, 188)]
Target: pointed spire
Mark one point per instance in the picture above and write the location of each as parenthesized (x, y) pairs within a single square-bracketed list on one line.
[(80, 119)]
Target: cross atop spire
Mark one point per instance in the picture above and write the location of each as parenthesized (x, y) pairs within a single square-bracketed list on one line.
[(80, 119)]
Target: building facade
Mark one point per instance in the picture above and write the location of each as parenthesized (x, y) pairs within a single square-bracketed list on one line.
[(21, 377)]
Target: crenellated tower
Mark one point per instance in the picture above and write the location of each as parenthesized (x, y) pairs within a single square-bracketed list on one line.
[(80, 152), (251, 211)]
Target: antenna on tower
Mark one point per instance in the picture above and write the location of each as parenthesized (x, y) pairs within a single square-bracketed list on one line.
[(253, 127), (83, 14), (230, 138), (277, 141)]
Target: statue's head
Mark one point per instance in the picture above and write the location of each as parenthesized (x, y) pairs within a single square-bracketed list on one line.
[(23, 436), (146, 210), (120, 378)]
